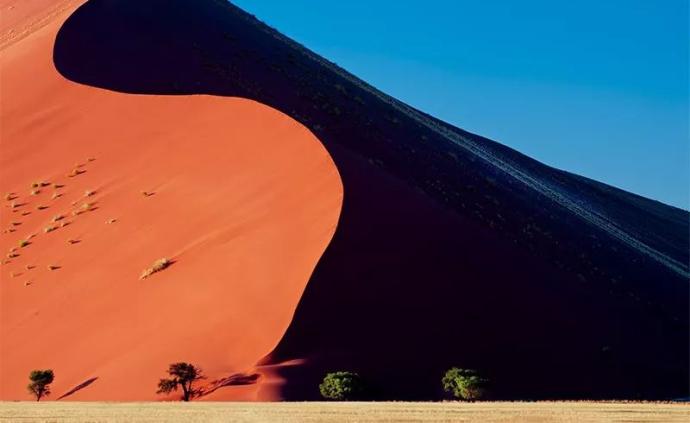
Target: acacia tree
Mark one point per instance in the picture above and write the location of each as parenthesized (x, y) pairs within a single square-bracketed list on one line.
[(181, 375), (40, 381), (464, 384), (341, 386)]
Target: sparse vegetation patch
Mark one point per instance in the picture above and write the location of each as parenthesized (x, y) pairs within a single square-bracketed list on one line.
[(157, 266)]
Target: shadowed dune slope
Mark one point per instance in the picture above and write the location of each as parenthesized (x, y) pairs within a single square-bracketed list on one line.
[(451, 249), (242, 199)]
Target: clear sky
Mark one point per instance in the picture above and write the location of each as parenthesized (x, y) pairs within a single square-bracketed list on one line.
[(595, 87)]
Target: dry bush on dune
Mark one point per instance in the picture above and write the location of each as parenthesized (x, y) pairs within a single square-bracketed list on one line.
[(48, 229), (157, 266), (24, 242), (35, 191), (75, 172)]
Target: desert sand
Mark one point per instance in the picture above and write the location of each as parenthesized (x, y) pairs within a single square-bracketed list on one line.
[(242, 199)]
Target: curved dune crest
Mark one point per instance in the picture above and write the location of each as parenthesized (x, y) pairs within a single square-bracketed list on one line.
[(241, 198)]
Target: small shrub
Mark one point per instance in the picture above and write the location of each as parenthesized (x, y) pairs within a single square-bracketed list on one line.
[(23, 243), (56, 195), (35, 185), (464, 384), (341, 386), (75, 172), (157, 266), (35, 191), (58, 217), (58, 186), (52, 267), (89, 193), (50, 228), (41, 207), (40, 381)]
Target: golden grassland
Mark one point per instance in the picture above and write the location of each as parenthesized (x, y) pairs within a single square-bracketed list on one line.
[(343, 412)]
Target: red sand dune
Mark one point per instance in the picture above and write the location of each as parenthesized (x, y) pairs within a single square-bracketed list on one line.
[(243, 199)]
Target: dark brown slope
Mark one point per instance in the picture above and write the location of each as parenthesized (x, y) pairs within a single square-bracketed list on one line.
[(451, 249)]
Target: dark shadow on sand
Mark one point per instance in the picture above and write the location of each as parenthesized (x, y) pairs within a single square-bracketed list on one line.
[(439, 259)]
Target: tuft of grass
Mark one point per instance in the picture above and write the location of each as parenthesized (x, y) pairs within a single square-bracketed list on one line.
[(89, 193), (12, 255), (9, 196), (83, 209), (58, 186), (50, 228), (35, 191), (109, 221), (29, 267), (23, 243), (58, 217), (41, 207), (72, 241), (35, 184), (56, 195), (90, 159), (75, 172), (157, 266), (52, 267)]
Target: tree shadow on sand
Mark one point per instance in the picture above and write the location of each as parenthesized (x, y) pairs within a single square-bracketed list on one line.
[(78, 387)]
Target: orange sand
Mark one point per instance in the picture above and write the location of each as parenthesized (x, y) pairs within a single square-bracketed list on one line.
[(241, 197)]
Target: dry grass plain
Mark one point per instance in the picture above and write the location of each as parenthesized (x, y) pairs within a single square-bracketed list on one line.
[(343, 412)]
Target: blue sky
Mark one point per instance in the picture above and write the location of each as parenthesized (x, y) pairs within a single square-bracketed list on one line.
[(599, 88)]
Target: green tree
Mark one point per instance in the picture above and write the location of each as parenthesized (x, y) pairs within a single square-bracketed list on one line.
[(181, 375), (40, 381), (341, 386), (464, 384)]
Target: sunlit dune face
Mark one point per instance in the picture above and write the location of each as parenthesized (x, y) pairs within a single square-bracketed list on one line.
[(97, 187)]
